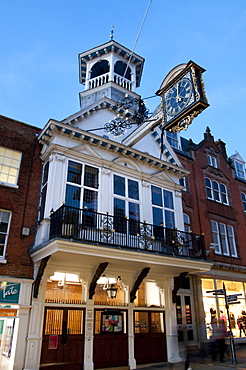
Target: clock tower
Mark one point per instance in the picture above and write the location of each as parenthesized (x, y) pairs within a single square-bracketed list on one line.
[(109, 71)]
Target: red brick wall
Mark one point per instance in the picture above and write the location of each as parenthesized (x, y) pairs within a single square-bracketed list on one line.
[(202, 210), (22, 202)]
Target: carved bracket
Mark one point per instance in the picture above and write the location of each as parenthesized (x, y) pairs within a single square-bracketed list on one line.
[(96, 276), (177, 285), (39, 276), (139, 280)]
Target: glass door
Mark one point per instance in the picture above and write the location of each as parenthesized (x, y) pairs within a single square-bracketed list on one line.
[(185, 321)]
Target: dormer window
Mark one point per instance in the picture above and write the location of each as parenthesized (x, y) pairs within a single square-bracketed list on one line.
[(174, 139), (212, 161), (239, 166), (239, 169)]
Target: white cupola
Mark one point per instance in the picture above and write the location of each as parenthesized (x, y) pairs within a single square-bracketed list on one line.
[(110, 70)]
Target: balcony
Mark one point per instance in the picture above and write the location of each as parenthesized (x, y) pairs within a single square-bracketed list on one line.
[(83, 225)]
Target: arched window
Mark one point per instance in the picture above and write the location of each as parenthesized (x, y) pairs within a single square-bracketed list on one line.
[(216, 191), (120, 68), (99, 68), (223, 192), (208, 188)]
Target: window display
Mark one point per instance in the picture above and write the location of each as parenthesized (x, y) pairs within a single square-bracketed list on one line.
[(215, 307)]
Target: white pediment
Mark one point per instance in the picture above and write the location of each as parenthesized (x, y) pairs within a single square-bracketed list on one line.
[(85, 149)]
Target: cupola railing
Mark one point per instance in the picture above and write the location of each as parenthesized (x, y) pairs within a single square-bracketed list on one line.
[(84, 225)]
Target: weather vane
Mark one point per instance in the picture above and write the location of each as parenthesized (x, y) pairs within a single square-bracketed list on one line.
[(112, 33)]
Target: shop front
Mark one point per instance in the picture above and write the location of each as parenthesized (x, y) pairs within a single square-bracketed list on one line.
[(215, 306), (14, 312)]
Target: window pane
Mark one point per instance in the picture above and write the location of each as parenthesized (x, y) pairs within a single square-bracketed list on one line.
[(119, 185), (156, 195), (119, 215), (208, 188), (141, 322), (231, 239), (157, 322), (10, 164), (158, 222), (3, 227), (90, 200), (45, 173), (133, 191), (223, 239), (240, 170), (53, 322), (168, 199), (169, 219), (91, 177), (223, 194), (74, 172), (244, 201), (215, 234), (72, 197), (216, 191), (134, 218)]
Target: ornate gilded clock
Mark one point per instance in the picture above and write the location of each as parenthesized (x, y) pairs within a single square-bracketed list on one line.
[(182, 96)]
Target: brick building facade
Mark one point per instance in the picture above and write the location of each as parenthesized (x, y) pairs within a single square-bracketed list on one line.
[(20, 176), (214, 205)]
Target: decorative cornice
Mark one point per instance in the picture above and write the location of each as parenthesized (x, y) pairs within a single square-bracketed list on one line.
[(89, 138), (234, 268)]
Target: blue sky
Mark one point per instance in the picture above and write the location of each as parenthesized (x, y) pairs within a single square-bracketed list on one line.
[(40, 42)]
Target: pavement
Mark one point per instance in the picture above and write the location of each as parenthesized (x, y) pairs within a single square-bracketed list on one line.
[(205, 363)]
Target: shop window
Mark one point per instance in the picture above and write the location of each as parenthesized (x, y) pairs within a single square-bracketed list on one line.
[(5, 219), (64, 288), (9, 166), (215, 306)]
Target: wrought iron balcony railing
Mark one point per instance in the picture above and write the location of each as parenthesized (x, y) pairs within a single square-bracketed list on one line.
[(93, 227)]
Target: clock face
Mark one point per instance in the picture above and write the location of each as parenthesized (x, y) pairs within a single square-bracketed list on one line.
[(178, 96)]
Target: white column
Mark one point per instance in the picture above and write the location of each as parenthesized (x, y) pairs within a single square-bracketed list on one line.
[(171, 323), (34, 338), (35, 329), (131, 358), (19, 340), (89, 330)]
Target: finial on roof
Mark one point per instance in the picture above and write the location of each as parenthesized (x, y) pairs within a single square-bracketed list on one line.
[(112, 33)]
